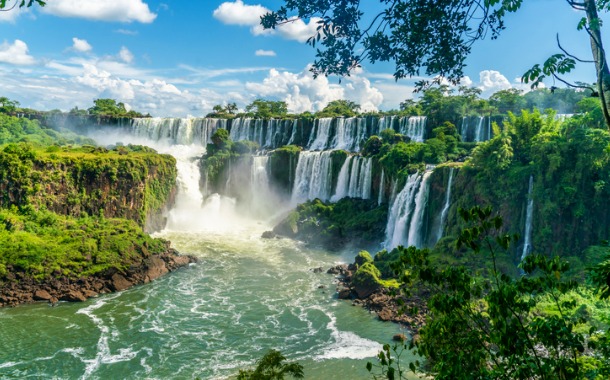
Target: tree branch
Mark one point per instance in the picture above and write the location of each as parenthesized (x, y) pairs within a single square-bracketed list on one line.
[(570, 55)]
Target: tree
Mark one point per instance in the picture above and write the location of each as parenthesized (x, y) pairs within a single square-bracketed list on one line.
[(266, 109), (7, 105), (337, 108), (431, 38), (107, 107), (507, 101), (271, 367), (488, 328)]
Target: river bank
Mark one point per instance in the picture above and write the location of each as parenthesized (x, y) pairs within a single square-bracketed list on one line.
[(390, 306), (21, 289)]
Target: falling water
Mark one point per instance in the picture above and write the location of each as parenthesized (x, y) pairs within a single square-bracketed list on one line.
[(527, 245), (343, 180), (407, 212), (413, 127), (479, 131), (320, 133), (313, 177), (176, 130), (381, 188), (441, 226)]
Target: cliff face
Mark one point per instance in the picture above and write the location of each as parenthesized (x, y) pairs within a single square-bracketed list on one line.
[(134, 184)]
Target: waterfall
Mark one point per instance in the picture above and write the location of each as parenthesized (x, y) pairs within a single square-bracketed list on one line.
[(343, 138), (177, 131), (381, 188), (191, 212), (261, 194), (414, 127), (479, 131), (355, 179), (343, 181), (313, 177), (489, 134), (464, 129), (320, 133), (443, 219), (527, 245), (293, 135), (406, 217)]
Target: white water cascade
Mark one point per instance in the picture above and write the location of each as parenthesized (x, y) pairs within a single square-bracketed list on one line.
[(414, 127), (261, 194), (381, 188), (478, 135), (355, 179), (181, 131), (527, 244), (320, 133), (312, 177), (445, 211), (406, 216)]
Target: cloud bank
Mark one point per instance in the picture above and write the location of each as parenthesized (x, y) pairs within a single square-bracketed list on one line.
[(102, 10)]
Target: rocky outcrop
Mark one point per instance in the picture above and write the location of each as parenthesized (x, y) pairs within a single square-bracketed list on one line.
[(409, 311), (132, 182), (27, 290)]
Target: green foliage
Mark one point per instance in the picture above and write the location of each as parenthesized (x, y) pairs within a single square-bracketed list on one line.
[(339, 108), (492, 327), (221, 140), (132, 182), (415, 36), (272, 367), (7, 105), (23, 3), (505, 101), (223, 112), (362, 258), (110, 108), (372, 146), (245, 147), (282, 166), (266, 109), (350, 220), (16, 130), (43, 245), (401, 157)]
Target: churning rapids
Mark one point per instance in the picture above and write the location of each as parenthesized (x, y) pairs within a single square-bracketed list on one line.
[(245, 296)]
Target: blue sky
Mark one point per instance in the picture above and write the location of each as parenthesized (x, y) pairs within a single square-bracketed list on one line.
[(179, 58)]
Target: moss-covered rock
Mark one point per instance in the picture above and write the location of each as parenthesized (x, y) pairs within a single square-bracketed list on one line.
[(355, 222), (282, 167), (127, 182)]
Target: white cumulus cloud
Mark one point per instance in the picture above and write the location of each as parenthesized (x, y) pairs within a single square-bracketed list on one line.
[(16, 53), (81, 45), (238, 13), (125, 55), (102, 10), (304, 93), (265, 53)]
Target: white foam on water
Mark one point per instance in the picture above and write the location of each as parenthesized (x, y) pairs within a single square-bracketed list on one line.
[(347, 345)]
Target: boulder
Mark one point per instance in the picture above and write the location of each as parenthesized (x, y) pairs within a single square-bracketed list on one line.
[(344, 293), (118, 282), (74, 296), (155, 268), (42, 295), (399, 338), (268, 235)]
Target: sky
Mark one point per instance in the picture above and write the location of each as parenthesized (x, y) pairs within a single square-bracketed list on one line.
[(179, 58)]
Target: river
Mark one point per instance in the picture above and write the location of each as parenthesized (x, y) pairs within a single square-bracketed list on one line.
[(245, 296)]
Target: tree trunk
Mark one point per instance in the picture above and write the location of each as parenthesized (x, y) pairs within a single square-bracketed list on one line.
[(599, 56)]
